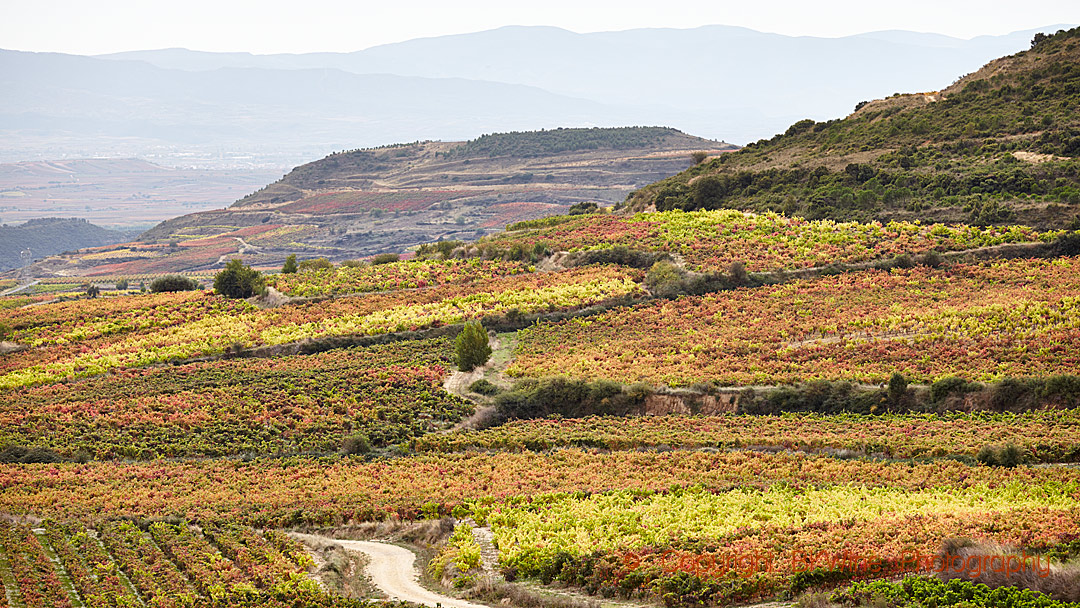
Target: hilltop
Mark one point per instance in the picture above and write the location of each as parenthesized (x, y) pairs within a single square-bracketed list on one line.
[(360, 203), (998, 145), (48, 236)]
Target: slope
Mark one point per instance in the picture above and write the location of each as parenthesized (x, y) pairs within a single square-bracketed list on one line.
[(999, 145), (385, 200)]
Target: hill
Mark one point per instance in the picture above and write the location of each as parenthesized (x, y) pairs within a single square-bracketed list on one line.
[(999, 145), (384, 200), (48, 236)]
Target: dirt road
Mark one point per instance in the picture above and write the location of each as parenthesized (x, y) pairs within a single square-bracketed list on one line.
[(392, 569)]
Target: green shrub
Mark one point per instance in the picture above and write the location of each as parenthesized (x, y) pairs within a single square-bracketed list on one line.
[(315, 264), (173, 282), (567, 397), (471, 346), (583, 208), (239, 281), (483, 387), (357, 443), (1007, 456), (385, 258), (122, 285)]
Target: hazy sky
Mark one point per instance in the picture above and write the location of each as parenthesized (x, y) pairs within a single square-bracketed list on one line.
[(272, 26)]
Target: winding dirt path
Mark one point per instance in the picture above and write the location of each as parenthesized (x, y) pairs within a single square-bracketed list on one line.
[(393, 570)]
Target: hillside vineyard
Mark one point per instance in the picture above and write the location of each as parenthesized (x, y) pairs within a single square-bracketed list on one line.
[(833, 368)]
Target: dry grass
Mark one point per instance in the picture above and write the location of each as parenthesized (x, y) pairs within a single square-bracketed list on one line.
[(1061, 582), (487, 590)]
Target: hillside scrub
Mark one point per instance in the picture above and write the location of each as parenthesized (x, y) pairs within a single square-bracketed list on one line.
[(998, 146)]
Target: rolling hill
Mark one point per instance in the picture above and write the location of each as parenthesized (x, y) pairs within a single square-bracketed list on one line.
[(365, 202), (48, 236), (999, 145)]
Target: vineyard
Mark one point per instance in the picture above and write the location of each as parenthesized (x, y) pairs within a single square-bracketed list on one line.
[(413, 274), (157, 448), (712, 240), (981, 322), (1044, 436), (165, 565), (385, 393), (211, 325)]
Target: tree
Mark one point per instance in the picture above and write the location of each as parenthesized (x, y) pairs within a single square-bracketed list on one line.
[(92, 290), (239, 281), (122, 285), (471, 346), (173, 282), (290, 265)]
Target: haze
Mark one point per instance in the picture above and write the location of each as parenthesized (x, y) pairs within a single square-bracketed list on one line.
[(93, 27)]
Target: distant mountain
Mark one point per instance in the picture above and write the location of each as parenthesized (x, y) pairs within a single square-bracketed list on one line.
[(49, 236), (359, 203), (723, 82), (297, 113), (1000, 146)]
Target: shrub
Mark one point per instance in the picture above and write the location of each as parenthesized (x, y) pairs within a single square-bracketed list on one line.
[(1007, 456), (943, 388), (737, 273), (483, 387), (1066, 244), (385, 258), (122, 285), (290, 265), (173, 282), (357, 443), (353, 264), (933, 259), (239, 281), (471, 346), (583, 208), (92, 291), (315, 264), (568, 397)]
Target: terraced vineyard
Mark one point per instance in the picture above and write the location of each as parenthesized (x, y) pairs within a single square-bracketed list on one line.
[(386, 393), (167, 565), (712, 240), (211, 325), (1044, 436), (982, 322)]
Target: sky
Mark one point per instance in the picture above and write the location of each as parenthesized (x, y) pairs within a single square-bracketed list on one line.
[(273, 26)]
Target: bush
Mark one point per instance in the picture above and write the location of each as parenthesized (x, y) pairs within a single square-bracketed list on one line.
[(173, 282), (357, 443), (290, 265), (353, 264), (122, 285), (583, 208), (1007, 456), (92, 291), (315, 264), (385, 258), (239, 281), (471, 346), (17, 454), (483, 387), (568, 397)]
